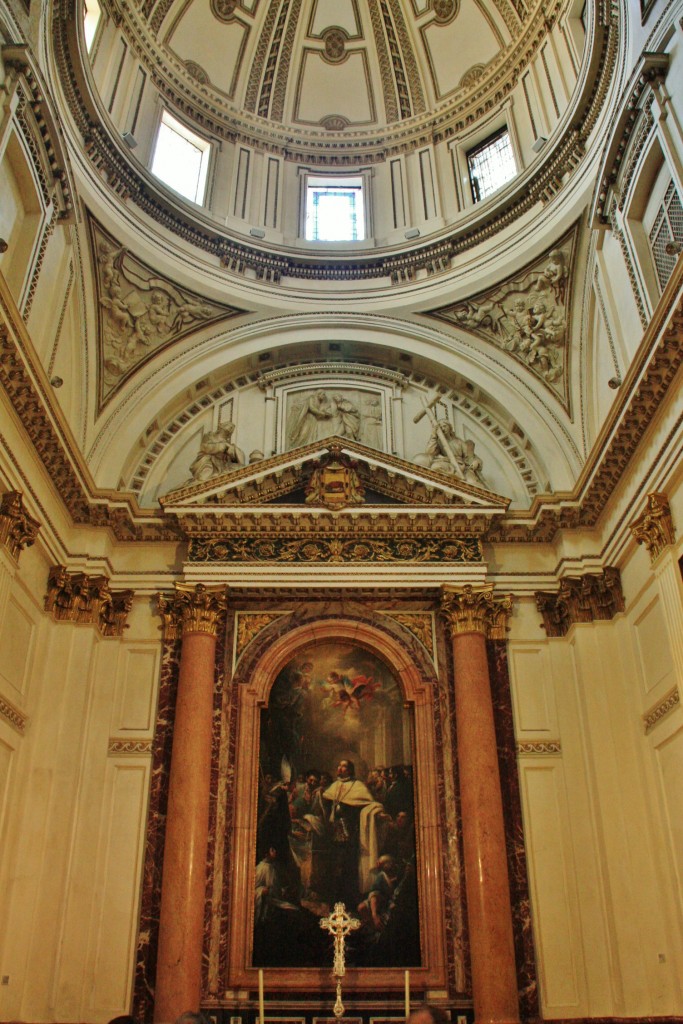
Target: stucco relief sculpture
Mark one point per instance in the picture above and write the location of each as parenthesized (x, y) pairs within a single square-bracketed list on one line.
[(217, 454), (445, 451), (139, 312), (526, 316), (314, 415)]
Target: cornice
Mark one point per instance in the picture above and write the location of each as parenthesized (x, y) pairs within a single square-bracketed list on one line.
[(134, 184), (645, 386)]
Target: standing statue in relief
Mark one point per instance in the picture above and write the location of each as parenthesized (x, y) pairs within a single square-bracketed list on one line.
[(312, 420)]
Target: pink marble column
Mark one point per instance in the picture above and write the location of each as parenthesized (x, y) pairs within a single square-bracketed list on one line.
[(194, 614), (472, 616)]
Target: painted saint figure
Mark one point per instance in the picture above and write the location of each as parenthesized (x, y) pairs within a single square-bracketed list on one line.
[(353, 817)]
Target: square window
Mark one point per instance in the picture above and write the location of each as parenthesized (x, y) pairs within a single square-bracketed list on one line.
[(335, 210), (181, 158), (491, 165)]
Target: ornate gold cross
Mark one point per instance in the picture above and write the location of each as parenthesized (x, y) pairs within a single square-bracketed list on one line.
[(339, 924)]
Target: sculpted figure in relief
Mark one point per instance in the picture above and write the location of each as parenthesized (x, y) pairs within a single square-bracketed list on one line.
[(320, 416), (526, 317), (217, 454), (447, 453), (139, 313)]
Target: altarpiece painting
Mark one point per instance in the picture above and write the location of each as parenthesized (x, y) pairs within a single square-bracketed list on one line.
[(335, 813)]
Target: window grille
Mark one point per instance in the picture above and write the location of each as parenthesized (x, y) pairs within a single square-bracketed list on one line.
[(491, 165), (666, 235)]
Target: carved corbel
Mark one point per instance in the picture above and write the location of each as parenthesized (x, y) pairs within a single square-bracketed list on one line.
[(593, 597), (470, 610), (193, 608), (18, 530), (77, 597), (654, 528)]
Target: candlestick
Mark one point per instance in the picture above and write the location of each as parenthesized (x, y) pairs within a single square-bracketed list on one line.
[(407, 981), (260, 998)]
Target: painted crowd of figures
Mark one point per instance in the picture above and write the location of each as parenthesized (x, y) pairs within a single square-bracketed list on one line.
[(331, 836)]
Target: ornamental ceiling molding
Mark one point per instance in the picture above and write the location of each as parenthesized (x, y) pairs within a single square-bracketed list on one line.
[(131, 183), (645, 387), (630, 131), (139, 312), (398, 71), (527, 315)]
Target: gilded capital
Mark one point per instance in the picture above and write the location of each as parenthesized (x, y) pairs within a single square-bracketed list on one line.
[(654, 528), (193, 608), (467, 610), (18, 529), (77, 597)]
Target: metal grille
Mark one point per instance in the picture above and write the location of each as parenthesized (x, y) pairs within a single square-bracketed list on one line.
[(666, 235), (491, 165)]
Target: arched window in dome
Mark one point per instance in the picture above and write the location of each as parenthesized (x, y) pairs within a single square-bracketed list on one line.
[(181, 158)]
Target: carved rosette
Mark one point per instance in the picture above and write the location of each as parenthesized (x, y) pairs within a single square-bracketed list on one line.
[(193, 608), (654, 528), (470, 610), (77, 597), (590, 598), (18, 530)]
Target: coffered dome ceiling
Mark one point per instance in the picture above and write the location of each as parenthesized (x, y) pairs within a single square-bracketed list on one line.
[(338, 65)]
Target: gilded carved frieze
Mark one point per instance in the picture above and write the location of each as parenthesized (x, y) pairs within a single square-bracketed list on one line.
[(139, 312), (528, 315), (592, 597), (18, 529), (654, 528), (322, 550), (77, 597)]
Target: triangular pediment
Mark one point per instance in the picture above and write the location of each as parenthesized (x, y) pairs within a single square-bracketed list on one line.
[(284, 480)]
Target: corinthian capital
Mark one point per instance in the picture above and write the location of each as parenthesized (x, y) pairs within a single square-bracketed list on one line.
[(467, 610), (17, 528), (193, 608), (655, 528)]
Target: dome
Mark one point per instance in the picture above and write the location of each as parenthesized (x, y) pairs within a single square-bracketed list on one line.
[(397, 100)]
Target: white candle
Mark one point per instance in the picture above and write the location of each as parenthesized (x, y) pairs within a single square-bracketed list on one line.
[(260, 997), (407, 981)]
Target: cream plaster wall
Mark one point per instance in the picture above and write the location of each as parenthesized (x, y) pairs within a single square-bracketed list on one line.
[(74, 804), (601, 791)]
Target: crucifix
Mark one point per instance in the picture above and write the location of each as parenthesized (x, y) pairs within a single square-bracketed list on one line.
[(339, 924)]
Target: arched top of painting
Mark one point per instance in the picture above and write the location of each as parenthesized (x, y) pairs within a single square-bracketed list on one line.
[(386, 647)]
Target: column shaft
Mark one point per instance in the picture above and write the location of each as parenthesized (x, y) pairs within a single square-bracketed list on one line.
[(181, 924), (494, 976)]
